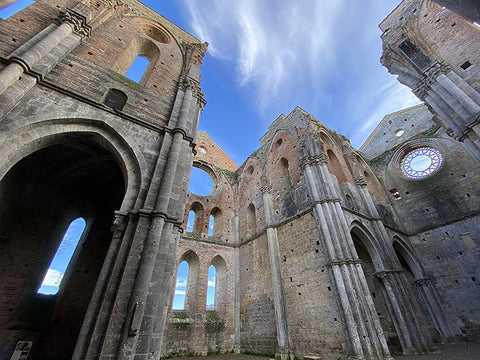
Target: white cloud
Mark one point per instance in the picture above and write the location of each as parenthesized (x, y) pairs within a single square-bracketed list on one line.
[(179, 292), (211, 283), (394, 97), (52, 278), (181, 282)]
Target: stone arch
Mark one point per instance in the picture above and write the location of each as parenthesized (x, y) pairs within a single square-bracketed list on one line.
[(407, 254), (198, 209), (56, 174), (138, 46), (191, 297), (335, 167), (220, 283), (423, 289), (283, 160), (218, 222), (50, 132), (372, 264)]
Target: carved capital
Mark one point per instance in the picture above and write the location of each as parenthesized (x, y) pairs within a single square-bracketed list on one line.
[(360, 181), (430, 77), (119, 221), (78, 22), (266, 189)]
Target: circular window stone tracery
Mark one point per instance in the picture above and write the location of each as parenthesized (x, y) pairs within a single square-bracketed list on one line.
[(421, 163)]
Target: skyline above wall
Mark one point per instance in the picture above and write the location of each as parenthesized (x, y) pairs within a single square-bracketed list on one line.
[(262, 61)]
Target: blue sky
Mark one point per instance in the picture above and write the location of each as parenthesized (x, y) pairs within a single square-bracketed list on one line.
[(267, 56)]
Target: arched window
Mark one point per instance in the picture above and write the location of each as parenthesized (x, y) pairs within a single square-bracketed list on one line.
[(212, 272), (285, 172), (195, 219), (211, 225), (251, 220), (180, 287), (138, 68), (335, 167), (54, 275), (14, 7), (190, 221), (215, 227)]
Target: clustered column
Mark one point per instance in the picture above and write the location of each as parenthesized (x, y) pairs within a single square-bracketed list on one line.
[(365, 338), (404, 308), (132, 306), (283, 336), (55, 41), (455, 101)]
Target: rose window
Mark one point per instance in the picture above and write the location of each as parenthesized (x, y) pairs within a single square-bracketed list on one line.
[(421, 163)]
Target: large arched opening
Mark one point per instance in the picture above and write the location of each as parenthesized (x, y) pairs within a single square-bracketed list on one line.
[(371, 263), (75, 176)]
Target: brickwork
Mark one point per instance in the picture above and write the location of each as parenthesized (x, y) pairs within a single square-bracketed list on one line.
[(320, 250)]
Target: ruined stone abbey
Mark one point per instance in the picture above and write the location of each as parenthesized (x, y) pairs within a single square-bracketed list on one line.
[(320, 249)]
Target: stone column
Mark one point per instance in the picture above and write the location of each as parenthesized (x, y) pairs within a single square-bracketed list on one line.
[(237, 340), (283, 336), (137, 317), (405, 310), (455, 101), (434, 308), (27, 59), (365, 337)]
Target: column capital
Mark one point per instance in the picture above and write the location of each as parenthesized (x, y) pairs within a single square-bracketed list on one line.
[(78, 22), (430, 76), (266, 189), (360, 181), (119, 221)]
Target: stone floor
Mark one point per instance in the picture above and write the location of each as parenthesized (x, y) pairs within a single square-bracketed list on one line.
[(461, 351)]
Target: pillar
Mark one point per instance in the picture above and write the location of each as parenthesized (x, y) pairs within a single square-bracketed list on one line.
[(365, 339), (283, 337)]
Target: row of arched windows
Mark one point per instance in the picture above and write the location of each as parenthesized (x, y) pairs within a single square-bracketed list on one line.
[(187, 286), (195, 222)]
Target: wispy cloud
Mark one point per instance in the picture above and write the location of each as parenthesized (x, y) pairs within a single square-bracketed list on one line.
[(321, 55), (179, 292)]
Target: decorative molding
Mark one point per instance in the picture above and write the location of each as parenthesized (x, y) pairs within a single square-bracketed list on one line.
[(430, 77), (78, 23)]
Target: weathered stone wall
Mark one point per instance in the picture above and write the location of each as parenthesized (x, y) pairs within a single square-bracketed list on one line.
[(257, 313), (450, 256), (313, 318), (194, 337)]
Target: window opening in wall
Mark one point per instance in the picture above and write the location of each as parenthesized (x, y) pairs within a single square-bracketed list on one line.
[(200, 182), (138, 68), (180, 287), (421, 163), (115, 99), (399, 132), (14, 7), (210, 225), (202, 149), (63, 256), (415, 54), (466, 65), (190, 221), (212, 273), (395, 194)]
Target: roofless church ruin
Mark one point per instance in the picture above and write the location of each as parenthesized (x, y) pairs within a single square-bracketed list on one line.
[(318, 248)]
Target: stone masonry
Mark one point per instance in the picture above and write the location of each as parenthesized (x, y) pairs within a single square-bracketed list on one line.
[(320, 250)]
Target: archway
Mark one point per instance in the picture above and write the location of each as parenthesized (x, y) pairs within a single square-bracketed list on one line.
[(40, 196), (371, 263)]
